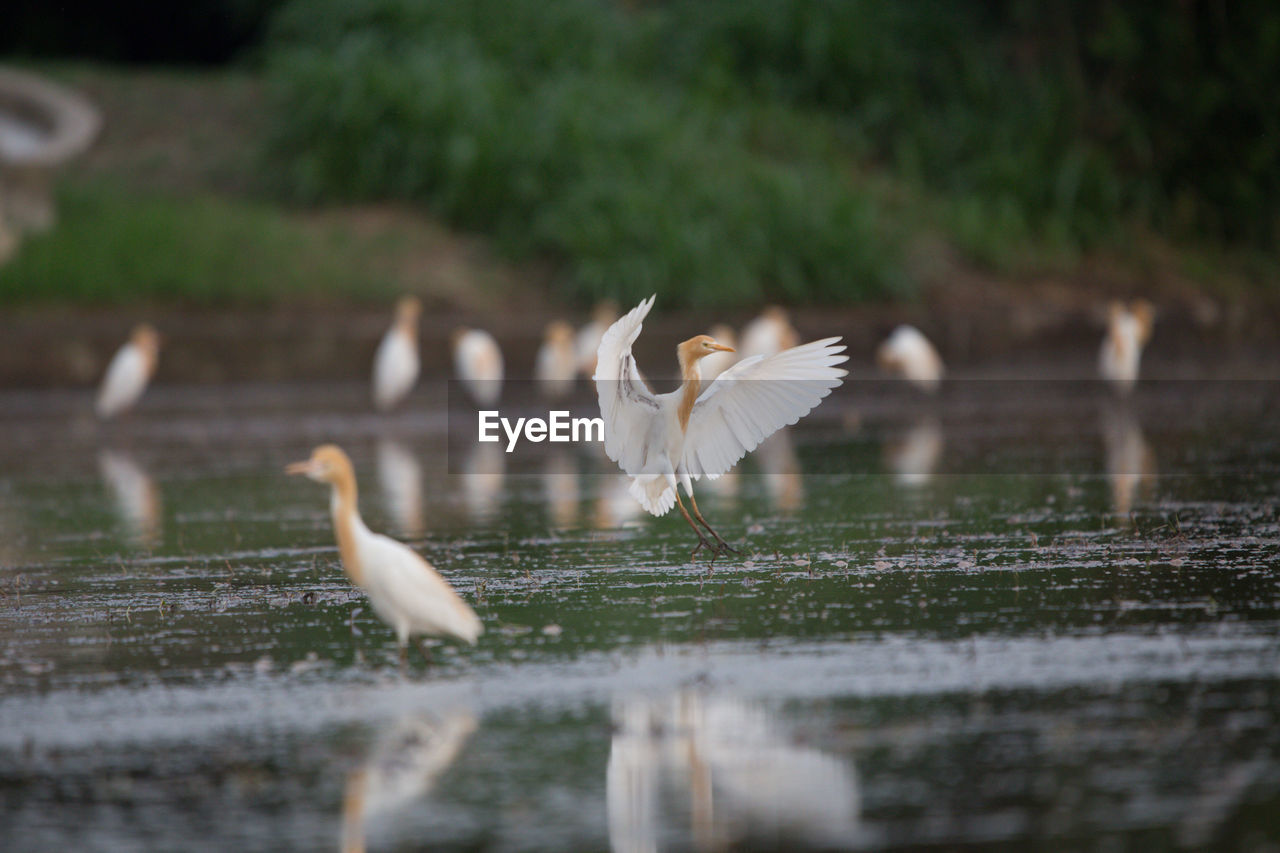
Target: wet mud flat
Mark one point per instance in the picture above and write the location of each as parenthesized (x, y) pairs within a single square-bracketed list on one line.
[(1021, 614)]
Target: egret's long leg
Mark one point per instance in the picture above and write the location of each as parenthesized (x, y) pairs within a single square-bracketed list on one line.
[(424, 651), (702, 540), (710, 529)]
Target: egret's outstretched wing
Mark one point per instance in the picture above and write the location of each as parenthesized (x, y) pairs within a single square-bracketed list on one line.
[(754, 399), (627, 405)]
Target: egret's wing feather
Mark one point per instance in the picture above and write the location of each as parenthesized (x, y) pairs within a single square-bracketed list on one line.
[(627, 405), (754, 399)]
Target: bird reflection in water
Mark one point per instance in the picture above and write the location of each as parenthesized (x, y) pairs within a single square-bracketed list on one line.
[(400, 477), (403, 766), (560, 488), (614, 506), (1131, 464), (728, 771), (913, 457), (135, 495), (776, 456), (483, 474)]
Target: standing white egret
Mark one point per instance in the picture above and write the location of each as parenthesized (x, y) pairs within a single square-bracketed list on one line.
[(477, 359), (395, 365), (768, 334), (404, 589), (129, 372), (587, 343), (1128, 330), (556, 366), (667, 440), (908, 353)]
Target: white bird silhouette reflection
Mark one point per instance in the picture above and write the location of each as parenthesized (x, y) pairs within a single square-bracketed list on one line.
[(134, 494), (725, 769), (403, 766), (400, 477)]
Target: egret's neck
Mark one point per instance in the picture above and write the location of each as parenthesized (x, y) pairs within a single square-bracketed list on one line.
[(346, 521), (691, 374)]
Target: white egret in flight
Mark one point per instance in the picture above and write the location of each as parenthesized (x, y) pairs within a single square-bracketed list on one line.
[(395, 365), (1128, 330), (404, 589), (129, 372), (667, 440)]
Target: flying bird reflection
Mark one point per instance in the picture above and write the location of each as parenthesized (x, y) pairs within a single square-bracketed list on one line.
[(403, 766), (724, 771)]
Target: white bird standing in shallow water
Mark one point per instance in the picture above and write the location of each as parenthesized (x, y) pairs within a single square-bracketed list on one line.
[(129, 372), (908, 353), (1128, 330), (556, 366), (587, 343), (477, 360), (667, 440), (404, 589), (768, 334), (395, 365)]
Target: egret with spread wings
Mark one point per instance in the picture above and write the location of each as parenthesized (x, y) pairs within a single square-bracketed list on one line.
[(667, 440)]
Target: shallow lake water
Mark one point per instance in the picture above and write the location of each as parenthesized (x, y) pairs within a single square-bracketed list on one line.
[(1023, 614)]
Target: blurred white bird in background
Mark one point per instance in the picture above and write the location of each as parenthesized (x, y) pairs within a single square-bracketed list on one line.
[(1128, 330), (718, 362), (768, 334), (908, 353), (556, 366), (129, 372), (395, 364), (404, 589), (477, 360), (588, 341), (667, 440)]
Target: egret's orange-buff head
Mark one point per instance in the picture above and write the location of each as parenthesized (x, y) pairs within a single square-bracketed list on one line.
[(558, 332), (328, 464), (408, 309), (697, 348), (145, 337)]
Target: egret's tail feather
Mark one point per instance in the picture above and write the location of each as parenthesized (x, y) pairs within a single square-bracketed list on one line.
[(654, 493)]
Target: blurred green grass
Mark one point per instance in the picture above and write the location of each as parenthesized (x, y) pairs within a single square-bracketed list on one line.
[(113, 245), (624, 141)]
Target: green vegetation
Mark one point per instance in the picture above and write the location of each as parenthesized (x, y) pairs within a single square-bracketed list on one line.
[(722, 150), (114, 246), (513, 120)]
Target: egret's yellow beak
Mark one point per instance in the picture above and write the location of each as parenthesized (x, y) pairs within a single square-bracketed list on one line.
[(722, 347), (303, 467)]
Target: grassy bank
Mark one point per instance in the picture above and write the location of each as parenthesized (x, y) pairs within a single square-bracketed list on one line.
[(744, 146)]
